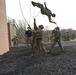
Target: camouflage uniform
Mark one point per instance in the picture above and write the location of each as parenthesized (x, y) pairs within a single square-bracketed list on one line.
[(64, 37), (45, 11), (53, 35), (57, 38), (68, 36), (38, 44), (15, 40)]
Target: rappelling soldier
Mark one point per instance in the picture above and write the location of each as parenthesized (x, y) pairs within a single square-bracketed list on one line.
[(45, 10)]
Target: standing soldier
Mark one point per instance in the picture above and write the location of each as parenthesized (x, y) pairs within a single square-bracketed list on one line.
[(64, 37), (52, 35), (15, 40), (38, 39), (57, 38), (28, 36), (67, 34)]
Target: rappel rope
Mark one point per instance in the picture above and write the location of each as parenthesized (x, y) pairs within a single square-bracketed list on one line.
[(34, 11), (30, 10), (22, 11)]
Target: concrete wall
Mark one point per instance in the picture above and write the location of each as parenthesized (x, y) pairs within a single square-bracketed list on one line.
[(4, 46)]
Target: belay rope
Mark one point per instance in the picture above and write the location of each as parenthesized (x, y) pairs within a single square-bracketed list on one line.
[(22, 12), (34, 16)]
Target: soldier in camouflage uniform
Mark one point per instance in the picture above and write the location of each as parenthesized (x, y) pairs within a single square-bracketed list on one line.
[(66, 37), (45, 10), (67, 34), (38, 44), (15, 40), (52, 35), (57, 38)]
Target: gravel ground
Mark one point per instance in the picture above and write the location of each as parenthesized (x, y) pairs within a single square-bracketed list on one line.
[(18, 61)]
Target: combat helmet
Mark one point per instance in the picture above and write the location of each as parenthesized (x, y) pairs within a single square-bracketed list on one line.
[(57, 28), (53, 15), (41, 26)]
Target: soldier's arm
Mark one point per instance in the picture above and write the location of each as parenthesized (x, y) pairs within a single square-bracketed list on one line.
[(45, 5), (35, 26), (29, 26)]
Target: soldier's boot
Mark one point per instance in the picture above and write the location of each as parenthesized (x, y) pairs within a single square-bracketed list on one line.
[(33, 3), (50, 19), (52, 22), (61, 47)]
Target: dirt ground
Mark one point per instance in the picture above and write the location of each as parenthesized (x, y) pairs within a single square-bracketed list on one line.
[(18, 61)]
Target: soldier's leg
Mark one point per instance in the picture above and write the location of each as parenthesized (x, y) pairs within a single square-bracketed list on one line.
[(53, 44), (30, 40), (59, 43), (38, 5), (49, 19), (35, 47), (33, 50), (49, 14), (38, 45), (32, 45), (43, 47), (27, 41)]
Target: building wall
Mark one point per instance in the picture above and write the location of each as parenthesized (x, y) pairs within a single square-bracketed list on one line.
[(4, 46)]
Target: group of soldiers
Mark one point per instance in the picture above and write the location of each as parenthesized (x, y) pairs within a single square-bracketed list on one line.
[(35, 36)]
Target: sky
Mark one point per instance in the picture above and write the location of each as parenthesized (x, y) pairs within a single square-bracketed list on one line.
[(64, 9)]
